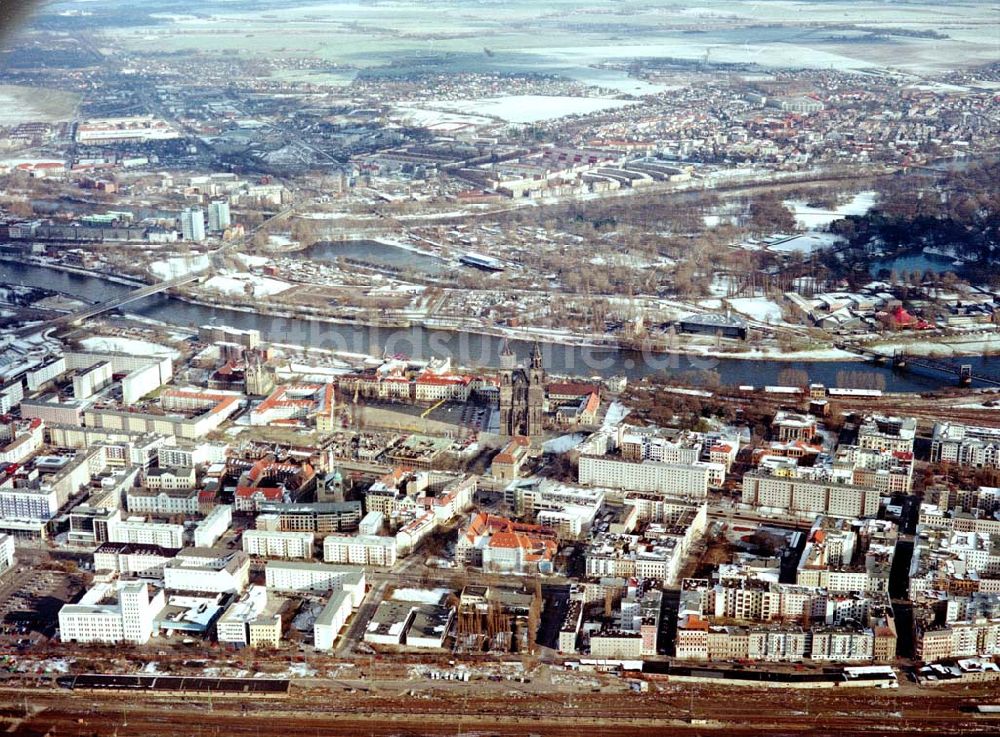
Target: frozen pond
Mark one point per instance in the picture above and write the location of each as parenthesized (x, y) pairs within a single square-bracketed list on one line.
[(379, 253)]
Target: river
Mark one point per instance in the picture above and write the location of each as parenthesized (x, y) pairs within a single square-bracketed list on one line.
[(465, 349)]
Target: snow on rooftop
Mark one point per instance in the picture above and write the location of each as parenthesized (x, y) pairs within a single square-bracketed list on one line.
[(424, 596)]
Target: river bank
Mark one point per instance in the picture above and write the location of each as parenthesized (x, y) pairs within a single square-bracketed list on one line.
[(481, 351), (955, 346)]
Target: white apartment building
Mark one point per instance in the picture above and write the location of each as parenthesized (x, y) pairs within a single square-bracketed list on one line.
[(209, 530), (168, 503), (414, 532), (191, 454), (90, 380), (250, 620), (651, 444), (296, 577), (879, 432), (112, 613), (132, 559), (360, 550), (567, 509), (10, 397), (7, 552), (678, 480), (218, 216), (966, 445), (28, 503), (50, 369), (276, 544), (193, 224), (371, 523), (331, 620), (170, 478), (830, 643), (809, 496), (615, 644), (212, 570), (138, 530)]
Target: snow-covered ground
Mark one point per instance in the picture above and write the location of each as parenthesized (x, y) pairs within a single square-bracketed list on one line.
[(814, 218), (805, 243), (136, 347), (614, 416), (438, 119), (757, 308), (972, 345), (178, 266), (686, 392), (424, 596), (54, 665), (300, 670), (533, 108), (774, 352), (246, 285), (280, 240), (720, 285), (563, 443), (252, 261)]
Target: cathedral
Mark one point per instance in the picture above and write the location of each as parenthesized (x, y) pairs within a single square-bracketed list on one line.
[(522, 394)]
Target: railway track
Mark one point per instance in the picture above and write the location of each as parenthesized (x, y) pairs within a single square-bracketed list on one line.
[(681, 710)]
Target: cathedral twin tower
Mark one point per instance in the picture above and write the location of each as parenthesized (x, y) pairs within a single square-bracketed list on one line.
[(522, 393)]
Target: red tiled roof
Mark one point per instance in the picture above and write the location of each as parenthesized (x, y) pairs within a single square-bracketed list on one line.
[(270, 493)]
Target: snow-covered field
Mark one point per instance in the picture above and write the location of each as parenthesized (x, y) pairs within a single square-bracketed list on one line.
[(127, 345), (424, 596), (805, 243), (813, 218), (439, 119), (972, 345), (246, 285), (757, 308), (178, 266), (533, 108)]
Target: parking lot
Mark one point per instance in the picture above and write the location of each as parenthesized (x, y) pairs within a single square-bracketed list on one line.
[(474, 417), (30, 599)]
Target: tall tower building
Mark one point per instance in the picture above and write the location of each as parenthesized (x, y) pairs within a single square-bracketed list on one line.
[(137, 619), (522, 393), (193, 224), (330, 488), (218, 216)]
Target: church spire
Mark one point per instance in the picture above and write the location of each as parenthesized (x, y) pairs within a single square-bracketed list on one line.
[(508, 360), (536, 356)]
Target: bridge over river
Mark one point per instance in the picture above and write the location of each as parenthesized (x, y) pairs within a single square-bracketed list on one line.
[(111, 304)]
